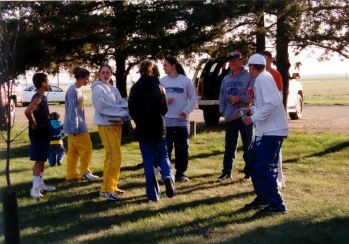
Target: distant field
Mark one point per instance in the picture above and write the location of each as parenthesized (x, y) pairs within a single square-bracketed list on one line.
[(324, 90), (329, 90)]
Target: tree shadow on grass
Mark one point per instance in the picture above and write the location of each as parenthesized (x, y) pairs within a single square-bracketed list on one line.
[(333, 149), (16, 152), (334, 230), (63, 213), (55, 211), (206, 155)]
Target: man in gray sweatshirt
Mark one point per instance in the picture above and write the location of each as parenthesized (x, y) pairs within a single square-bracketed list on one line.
[(233, 96)]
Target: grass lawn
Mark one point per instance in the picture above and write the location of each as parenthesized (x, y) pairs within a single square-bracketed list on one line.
[(316, 167), (326, 90)]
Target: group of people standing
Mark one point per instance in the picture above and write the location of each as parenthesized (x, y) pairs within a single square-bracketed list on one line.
[(251, 103), (156, 108)]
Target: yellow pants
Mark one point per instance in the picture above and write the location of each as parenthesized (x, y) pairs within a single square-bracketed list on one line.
[(111, 140), (78, 146)]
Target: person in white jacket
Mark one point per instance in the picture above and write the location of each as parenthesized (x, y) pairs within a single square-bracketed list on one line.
[(110, 113), (181, 100), (269, 117)]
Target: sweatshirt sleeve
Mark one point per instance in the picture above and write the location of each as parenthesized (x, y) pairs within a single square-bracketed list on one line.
[(72, 111), (103, 106), (222, 97), (133, 104), (244, 97), (192, 98), (270, 99), (163, 106)]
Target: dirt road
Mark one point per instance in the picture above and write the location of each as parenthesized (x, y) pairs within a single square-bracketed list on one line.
[(315, 118)]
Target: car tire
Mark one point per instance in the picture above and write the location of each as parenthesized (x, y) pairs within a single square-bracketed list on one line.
[(299, 109), (211, 116)]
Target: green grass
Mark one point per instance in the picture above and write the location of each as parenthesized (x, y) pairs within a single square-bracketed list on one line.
[(316, 167), (326, 90)]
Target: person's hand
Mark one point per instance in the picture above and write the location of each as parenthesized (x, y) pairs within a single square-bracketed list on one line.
[(33, 125), (182, 114), (170, 100), (248, 111), (247, 120), (250, 92), (234, 99)]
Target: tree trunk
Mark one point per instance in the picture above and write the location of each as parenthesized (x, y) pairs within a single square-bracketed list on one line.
[(121, 77), (260, 30), (282, 41)]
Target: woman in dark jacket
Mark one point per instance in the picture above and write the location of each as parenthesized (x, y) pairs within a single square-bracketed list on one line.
[(147, 106)]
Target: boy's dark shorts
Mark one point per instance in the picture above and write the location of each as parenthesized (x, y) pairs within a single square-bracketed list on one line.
[(39, 150)]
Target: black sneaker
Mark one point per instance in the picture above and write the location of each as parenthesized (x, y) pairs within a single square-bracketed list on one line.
[(224, 177), (256, 204), (273, 210), (169, 187)]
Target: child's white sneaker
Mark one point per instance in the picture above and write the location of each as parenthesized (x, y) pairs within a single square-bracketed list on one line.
[(35, 193), (45, 187)]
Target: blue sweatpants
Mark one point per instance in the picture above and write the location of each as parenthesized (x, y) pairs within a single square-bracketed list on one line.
[(264, 153), (155, 151)]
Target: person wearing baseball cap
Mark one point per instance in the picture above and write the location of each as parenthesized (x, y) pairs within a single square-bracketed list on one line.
[(232, 97), (269, 116)]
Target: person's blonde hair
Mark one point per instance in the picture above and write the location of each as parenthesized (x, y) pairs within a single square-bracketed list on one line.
[(105, 65)]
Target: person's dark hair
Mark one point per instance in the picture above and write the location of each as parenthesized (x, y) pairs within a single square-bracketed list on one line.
[(258, 67), (145, 67), (179, 67), (267, 53), (156, 72), (38, 79), (80, 72), (54, 116)]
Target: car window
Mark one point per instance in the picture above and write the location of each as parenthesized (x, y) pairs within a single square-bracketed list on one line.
[(30, 88), (54, 89), (224, 68), (213, 67)]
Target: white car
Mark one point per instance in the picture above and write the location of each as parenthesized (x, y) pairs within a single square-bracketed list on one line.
[(55, 95)]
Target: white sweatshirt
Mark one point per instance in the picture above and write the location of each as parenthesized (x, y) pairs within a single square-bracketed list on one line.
[(269, 114), (182, 90)]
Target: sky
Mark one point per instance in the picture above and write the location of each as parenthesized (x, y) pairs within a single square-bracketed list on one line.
[(312, 67)]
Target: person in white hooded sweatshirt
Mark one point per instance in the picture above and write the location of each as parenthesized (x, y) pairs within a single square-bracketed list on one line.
[(269, 117), (110, 113)]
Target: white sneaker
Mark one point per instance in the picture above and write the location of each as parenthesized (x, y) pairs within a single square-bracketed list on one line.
[(111, 196), (35, 193), (45, 187), (89, 176)]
